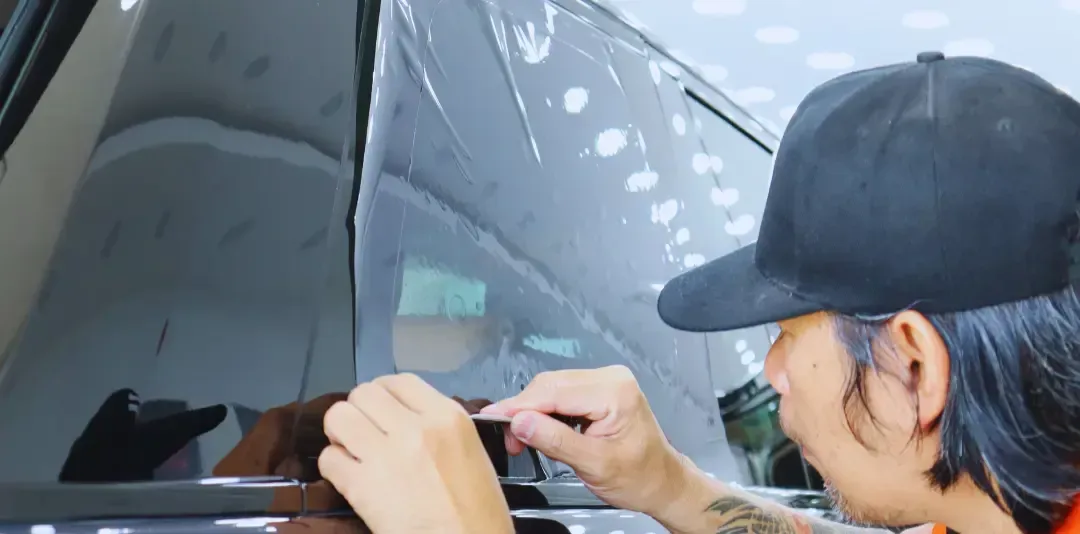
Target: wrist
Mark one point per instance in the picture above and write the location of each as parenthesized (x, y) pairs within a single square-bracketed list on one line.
[(687, 493)]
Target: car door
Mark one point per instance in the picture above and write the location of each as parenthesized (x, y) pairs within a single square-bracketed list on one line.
[(519, 202)]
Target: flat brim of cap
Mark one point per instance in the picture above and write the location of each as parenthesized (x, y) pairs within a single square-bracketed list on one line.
[(728, 293)]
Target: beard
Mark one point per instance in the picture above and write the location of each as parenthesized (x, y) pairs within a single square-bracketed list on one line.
[(852, 514)]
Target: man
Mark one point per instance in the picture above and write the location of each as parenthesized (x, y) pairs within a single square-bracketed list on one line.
[(917, 250)]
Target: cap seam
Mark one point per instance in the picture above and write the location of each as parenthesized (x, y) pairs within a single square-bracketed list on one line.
[(932, 115), (785, 288)]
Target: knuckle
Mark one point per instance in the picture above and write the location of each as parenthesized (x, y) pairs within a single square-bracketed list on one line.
[(335, 418), (403, 379), (359, 393), (621, 373), (557, 441), (544, 379)]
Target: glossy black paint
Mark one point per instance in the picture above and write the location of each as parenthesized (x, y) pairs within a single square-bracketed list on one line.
[(238, 208)]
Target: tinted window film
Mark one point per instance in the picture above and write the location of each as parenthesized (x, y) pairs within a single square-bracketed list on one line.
[(514, 229), (737, 170), (173, 257)]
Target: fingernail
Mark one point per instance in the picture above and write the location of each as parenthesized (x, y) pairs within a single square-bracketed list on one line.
[(523, 426), (490, 408)]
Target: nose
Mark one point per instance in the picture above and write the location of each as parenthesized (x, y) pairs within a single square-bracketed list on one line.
[(776, 370)]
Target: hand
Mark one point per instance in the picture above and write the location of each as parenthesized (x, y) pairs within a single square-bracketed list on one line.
[(268, 448), (115, 447), (409, 459), (621, 453)]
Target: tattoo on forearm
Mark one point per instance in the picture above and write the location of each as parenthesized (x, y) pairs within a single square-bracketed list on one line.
[(740, 516)]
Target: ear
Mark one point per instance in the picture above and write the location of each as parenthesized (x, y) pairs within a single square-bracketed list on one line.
[(925, 359)]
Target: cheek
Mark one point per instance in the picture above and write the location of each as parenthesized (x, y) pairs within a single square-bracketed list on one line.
[(812, 407)]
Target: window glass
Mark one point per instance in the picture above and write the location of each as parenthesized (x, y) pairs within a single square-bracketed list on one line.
[(739, 171), (532, 216), (170, 238)]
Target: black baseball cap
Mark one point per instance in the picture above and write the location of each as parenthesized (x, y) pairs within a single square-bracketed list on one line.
[(940, 185)]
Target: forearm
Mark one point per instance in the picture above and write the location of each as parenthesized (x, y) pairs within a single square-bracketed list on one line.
[(707, 506)]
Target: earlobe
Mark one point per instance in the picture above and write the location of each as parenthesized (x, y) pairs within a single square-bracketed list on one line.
[(923, 352)]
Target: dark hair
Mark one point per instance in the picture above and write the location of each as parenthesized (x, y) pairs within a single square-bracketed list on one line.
[(1012, 415)]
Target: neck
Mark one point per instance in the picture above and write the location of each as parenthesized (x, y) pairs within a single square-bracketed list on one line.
[(967, 510)]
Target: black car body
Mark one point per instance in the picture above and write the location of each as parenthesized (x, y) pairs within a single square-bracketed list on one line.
[(242, 204)]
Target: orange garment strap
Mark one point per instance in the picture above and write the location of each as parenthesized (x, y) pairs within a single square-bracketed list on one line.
[(940, 529), (1071, 524)]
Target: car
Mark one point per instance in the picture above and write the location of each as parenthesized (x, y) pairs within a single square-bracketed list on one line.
[(217, 217)]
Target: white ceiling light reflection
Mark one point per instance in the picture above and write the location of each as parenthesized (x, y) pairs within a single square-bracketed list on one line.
[(741, 225), (724, 197), (693, 260), (830, 60), (642, 181), (575, 99), (703, 163), (128, 4), (1070, 5), (682, 236), (924, 19), (720, 7), (610, 142), (716, 163), (671, 68), (654, 71), (679, 124), (664, 212), (968, 47), (777, 35)]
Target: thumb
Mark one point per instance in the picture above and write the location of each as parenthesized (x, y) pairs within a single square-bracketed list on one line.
[(551, 437)]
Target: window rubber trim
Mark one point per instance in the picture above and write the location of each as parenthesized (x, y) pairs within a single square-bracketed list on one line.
[(34, 44)]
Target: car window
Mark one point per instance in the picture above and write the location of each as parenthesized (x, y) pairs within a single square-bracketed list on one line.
[(526, 206), (172, 223), (740, 170)]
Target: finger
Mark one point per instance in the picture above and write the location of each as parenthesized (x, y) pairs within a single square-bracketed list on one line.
[(348, 427), (591, 401), (323, 402), (417, 395), (382, 408), (547, 388), (551, 437), (338, 467), (161, 438), (514, 446)]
